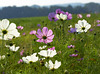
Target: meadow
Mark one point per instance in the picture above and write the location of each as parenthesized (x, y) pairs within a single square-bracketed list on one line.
[(87, 46)]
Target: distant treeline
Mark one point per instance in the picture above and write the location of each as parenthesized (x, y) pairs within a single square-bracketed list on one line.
[(17, 12)]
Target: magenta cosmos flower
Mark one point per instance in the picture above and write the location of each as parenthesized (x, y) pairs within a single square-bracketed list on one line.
[(73, 55), (45, 35), (88, 15), (71, 46), (69, 16), (20, 27), (33, 32), (52, 17), (79, 16)]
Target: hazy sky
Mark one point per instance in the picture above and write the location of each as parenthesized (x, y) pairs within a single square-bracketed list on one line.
[(41, 2)]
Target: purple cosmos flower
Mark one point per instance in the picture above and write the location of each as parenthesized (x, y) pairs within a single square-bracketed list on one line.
[(24, 34), (52, 17), (33, 32), (39, 25), (91, 30), (88, 15), (98, 21), (72, 30), (71, 46), (20, 61), (76, 51), (45, 36), (20, 27), (80, 59), (53, 48), (69, 16), (98, 24), (21, 53), (58, 11), (73, 55), (79, 16)]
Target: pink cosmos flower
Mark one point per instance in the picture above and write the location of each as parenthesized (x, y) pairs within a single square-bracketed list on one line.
[(45, 35), (33, 32), (88, 15), (53, 48), (20, 61), (98, 24), (73, 55), (21, 53), (71, 46), (98, 21), (20, 27), (79, 16)]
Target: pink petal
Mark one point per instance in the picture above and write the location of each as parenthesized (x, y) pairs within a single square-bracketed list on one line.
[(45, 31), (50, 37), (38, 36), (39, 32), (40, 40), (48, 41), (49, 33)]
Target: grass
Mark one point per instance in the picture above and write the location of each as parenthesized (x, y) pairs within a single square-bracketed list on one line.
[(87, 44)]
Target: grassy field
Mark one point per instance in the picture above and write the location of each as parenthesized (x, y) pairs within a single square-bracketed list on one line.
[(87, 45)]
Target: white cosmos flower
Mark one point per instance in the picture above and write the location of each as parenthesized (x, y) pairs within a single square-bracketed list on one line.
[(30, 59), (82, 26), (2, 57), (61, 16), (47, 53), (8, 31), (13, 48), (41, 48), (52, 66)]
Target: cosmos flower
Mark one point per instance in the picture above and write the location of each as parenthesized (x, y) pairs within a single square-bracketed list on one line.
[(20, 61), (73, 55), (52, 17), (53, 48), (8, 31), (12, 47), (61, 16), (24, 34), (39, 25), (91, 30), (52, 66), (41, 48), (58, 11), (80, 59), (30, 59), (21, 53), (33, 32), (71, 46), (2, 57), (82, 26), (79, 16), (98, 24), (45, 36), (69, 26), (98, 21), (69, 16), (88, 15), (48, 53), (72, 30), (20, 27)]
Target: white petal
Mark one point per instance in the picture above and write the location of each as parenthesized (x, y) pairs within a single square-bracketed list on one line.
[(12, 26), (51, 66), (43, 53), (4, 23), (57, 64)]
